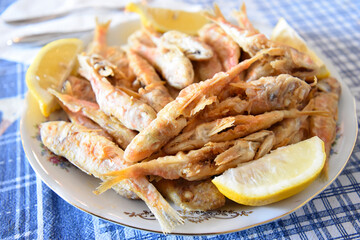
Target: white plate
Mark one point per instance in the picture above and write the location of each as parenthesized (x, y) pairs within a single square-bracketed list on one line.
[(76, 187)]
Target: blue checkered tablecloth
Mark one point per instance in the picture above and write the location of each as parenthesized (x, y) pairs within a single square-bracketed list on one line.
[(30, 210)]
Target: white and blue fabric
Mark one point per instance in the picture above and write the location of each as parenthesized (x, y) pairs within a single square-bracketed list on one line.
[(31, 210)]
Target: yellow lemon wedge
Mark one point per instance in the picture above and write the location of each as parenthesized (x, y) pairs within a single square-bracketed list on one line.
[(51, 66), (163, 20), (285, 34), (276, 176)]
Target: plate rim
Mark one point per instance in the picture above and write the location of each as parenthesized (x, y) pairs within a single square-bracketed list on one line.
[(32, 159)]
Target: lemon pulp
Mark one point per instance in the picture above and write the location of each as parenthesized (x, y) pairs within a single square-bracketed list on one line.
[(285, 34), (276, 176), (163, 20), (52, 65)]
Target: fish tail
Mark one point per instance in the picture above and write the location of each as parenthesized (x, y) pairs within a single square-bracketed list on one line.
[(113, 178), (218, 12), (216, 16), (167, 216), (103, 26), (101, 30)]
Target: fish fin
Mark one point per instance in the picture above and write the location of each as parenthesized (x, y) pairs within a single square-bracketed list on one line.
[(245, 85), (241, 151), (120, 73), (106, 185), (240, 85), (258, 136), (227, 156), (274, 51), (66, 100), (129, 92), (110, 182), (316, 113), (188, 101), (72, 103), (221, 125), (266, 145), (218, 77), (109, 152), (203, 102)]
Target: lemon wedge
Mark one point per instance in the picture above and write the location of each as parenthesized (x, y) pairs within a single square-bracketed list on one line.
[(276, 176), (163, 20), (52, 65), (285, 34)]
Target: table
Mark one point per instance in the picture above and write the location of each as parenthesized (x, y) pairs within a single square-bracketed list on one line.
[(30, 210)]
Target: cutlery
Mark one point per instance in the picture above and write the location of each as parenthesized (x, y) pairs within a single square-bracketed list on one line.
[(35, 19), (43, 38)]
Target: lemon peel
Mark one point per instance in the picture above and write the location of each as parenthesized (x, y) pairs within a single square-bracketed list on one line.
[(285, 34), (51, 66), (163, 20), (278, 175)]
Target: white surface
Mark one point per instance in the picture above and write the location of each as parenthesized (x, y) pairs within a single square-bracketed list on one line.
[(26, 10), (81, 19), (76, 187)]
